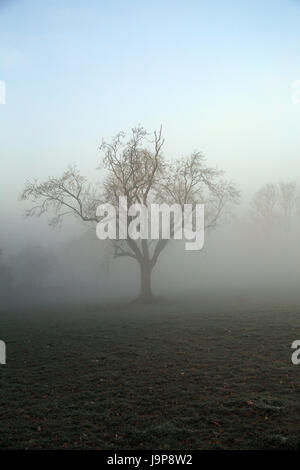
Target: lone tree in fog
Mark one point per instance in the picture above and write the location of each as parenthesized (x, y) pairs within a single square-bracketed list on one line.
[(136, 169)]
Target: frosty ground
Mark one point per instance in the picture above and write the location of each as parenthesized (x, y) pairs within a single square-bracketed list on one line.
[(184, 374)]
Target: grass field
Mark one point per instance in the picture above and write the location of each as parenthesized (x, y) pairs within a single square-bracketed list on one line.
[(162, 376)]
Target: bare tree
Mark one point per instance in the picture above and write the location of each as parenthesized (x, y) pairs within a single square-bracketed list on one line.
[(288, 201), (274, 206), (136, 169), (265, 207)]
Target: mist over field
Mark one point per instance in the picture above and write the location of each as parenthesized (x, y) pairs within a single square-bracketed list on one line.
[(238, 261), (138, 343)]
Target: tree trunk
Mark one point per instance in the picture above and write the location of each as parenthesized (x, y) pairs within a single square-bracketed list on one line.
[(145, 286)]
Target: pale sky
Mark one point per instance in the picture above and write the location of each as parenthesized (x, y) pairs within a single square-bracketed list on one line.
[(216, 74)]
